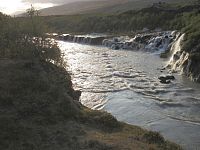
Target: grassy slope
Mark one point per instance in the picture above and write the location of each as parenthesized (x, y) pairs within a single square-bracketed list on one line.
[(169, 17), (40, 111)]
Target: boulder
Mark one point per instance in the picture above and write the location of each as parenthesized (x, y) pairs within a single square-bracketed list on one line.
[(166, 79), (107, 42), (97, 40), (115, 47)]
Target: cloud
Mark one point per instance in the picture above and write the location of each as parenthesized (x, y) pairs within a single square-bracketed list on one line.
[(12, 6)]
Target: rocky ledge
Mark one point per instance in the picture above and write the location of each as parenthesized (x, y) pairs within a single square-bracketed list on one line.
[(166, 43), (92, 39), (185, 61)]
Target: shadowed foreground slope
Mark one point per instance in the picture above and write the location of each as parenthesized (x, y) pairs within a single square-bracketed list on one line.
[(40, 111)]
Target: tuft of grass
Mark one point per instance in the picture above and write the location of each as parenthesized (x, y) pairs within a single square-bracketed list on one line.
[(101, 119), (153, 137)]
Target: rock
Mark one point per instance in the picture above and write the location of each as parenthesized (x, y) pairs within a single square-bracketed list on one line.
[(170, 77), (107, 43), (115, 39), (115, 47), (97, 40), (166, 79)]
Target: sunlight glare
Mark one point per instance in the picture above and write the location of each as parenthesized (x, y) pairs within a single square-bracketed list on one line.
[(12, 6)]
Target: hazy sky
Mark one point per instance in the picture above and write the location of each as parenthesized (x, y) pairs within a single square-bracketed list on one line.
[(12, 6)]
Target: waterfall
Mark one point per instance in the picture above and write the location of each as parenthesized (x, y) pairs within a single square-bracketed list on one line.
[(179, 57)]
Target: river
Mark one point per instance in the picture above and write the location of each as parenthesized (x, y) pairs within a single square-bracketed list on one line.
[(125, 83)]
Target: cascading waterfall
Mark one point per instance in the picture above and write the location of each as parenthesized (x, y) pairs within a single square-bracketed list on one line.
[(179, 58), (156, 42)]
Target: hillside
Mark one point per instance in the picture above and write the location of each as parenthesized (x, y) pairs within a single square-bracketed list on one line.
[(80, 7), (101, 6)]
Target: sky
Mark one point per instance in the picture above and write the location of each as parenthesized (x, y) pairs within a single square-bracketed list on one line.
[(12, 6)]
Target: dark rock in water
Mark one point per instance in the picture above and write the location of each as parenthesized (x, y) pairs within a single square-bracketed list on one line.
[(166, 79), (115, 39), (68, 37), (80, 39), (164, 68), (115, 47), (170, 77), (96, 40), (159, 43), (65, 37)]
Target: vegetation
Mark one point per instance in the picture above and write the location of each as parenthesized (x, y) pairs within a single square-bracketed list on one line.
[(26, 39), (39, 108), (162, 15), (182, 17)]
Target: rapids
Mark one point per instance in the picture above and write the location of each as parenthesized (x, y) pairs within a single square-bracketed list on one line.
[(125, 83)]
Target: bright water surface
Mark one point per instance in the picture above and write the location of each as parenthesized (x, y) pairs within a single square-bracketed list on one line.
[(125, 83)]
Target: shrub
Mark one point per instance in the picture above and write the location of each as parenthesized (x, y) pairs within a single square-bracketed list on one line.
[(153, 137), (25, 38)]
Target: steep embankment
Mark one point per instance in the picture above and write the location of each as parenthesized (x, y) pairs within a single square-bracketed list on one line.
[(187, 61), (41, 111)]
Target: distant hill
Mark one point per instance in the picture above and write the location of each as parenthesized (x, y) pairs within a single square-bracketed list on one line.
[(82, 7), (102, 6)]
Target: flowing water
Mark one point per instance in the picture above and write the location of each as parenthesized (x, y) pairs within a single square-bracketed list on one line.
[(125, 83)]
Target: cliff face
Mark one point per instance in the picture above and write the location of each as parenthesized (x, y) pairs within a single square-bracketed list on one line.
[(40, 111), (186, 61)]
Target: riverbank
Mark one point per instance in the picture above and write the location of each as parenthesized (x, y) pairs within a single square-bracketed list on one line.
[(125, 84), (40, 110)]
